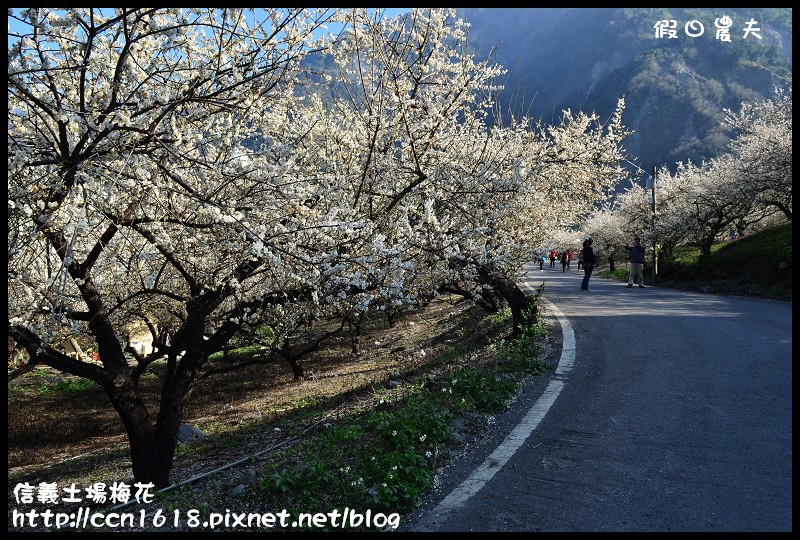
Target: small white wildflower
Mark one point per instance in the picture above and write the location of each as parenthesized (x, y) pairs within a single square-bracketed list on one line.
[(277, 430), (428, 453), (422, 438), (394, 468), (384, 484), (394, 433)]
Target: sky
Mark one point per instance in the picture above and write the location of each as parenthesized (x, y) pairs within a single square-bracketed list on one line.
[(15, 26)]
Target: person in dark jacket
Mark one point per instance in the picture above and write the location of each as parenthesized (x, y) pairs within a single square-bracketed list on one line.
[(588, 263), (637, 262)]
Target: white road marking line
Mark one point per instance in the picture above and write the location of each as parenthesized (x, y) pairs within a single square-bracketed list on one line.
[(497, 459)]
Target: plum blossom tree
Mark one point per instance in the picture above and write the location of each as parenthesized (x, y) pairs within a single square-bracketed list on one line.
[(763, 146), (130, 193), (453, 196), (704, 201)]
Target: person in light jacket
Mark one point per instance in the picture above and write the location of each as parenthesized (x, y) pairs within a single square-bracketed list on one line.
[(637, 262)]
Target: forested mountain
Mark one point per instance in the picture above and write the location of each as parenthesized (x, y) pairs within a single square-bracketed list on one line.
[(675, 89)]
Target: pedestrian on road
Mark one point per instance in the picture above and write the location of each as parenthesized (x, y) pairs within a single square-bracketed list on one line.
[(580, 259), (553, 257), (569, 258), (541, 262), (637, 262), (564, 262), (588, 263)]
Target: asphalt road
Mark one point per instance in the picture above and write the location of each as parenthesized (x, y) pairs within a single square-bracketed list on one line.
[(669, 411)]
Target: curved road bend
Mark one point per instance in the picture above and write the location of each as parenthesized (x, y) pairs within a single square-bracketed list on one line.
[(669, 411)]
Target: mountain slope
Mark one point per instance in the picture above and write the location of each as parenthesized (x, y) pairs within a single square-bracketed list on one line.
[(675, 89)]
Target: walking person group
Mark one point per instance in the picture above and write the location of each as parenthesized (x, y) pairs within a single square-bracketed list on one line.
[(565, 258), (587, 261)]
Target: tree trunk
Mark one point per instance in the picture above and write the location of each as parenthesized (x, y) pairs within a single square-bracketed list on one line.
[(518, 302), (661, 257), (516, 298), (705, 246), (152, 444), (392, 316), (152, 453), (354, 323), (297, 369), (489, 301)]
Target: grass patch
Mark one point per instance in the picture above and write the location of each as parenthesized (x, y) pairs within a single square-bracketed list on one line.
[(768, 249), (237, 354), (381, 459), (64, 386), (619, 273)]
